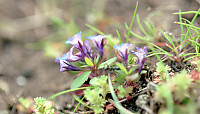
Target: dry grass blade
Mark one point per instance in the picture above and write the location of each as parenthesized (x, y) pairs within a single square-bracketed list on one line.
[(120, 107)]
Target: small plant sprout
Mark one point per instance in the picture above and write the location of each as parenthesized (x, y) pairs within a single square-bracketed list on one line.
[(196, 62), (181, 82), (100, 82), (25, 104), (182, 49), (179, 51), (161, 70), (96, 96), (177, 87), (124, 92), (43, 106)]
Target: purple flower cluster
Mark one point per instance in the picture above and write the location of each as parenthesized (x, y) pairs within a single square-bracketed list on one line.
[(84, 50), (141, 54)]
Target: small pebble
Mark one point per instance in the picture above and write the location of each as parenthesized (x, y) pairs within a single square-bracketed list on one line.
[(21, 80), (4, 87)]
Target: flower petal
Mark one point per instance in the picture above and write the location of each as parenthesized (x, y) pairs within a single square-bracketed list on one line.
[(123, 50), (141, 54), (75, 40), (98, 41), (64, 66), (69, 56)]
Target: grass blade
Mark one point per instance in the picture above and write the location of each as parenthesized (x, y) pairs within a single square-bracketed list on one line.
[(124, 110), (129, 30), (187, 25), (80, 102), (114, 96), (66, 91), (160, 49), (140, 26), (195, 16), (95, 29), (187, 12), (169, 39), (181, 26), (120, 40)]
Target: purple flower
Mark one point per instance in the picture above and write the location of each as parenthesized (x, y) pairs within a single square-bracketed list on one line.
[(65, 66), (84, 48), (87, 48), (69, 56), (99, 43), (141, 54), (123, 51), (85, 51), (75, 41)]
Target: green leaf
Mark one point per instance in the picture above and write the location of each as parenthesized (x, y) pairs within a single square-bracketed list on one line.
[(96, 59), (83, 66), (132, 69), (124, 92), (122, 67), (99, 81), (80, 80), (120, 77), (97, 102), (134, 78), (165, 94), (108, 62), (89, 62)]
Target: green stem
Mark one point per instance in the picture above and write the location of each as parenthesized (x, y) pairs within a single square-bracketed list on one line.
[(66, 91)]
